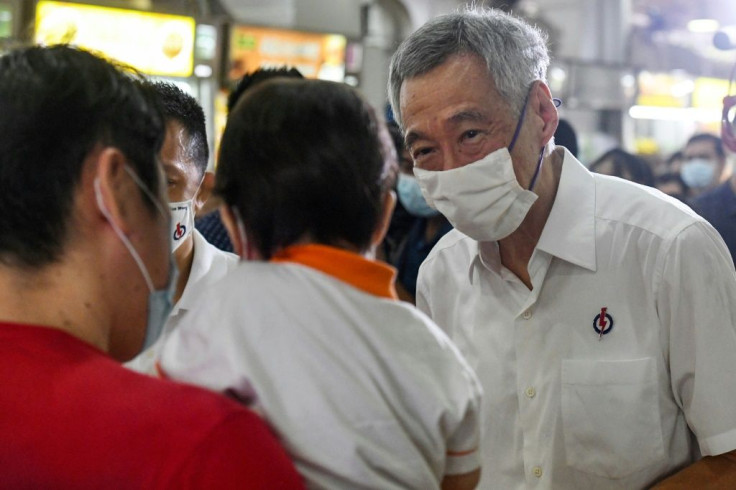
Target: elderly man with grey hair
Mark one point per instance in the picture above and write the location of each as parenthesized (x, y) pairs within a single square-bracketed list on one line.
[(598, 314)]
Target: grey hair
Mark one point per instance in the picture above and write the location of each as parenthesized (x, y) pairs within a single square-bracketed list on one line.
[(514, 51)]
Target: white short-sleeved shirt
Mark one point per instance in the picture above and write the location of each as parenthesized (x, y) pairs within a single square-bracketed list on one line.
[(564, 405), (209, 265), (363, 390)]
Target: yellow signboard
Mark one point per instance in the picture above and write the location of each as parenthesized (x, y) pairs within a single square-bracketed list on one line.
[(709, 93), (156, 44), (663, 90), (314, 55)]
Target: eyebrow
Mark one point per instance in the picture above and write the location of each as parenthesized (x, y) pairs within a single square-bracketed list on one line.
[(454, 120)]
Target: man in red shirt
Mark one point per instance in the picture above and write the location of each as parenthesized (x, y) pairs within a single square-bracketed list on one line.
[(85, 280)]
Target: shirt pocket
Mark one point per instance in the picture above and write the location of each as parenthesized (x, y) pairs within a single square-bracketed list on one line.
[(610, 416)]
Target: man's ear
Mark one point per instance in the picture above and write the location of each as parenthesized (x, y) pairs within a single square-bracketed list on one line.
[(545, 108), (112, 186), (389, 203), (204, 192), (233, 230)]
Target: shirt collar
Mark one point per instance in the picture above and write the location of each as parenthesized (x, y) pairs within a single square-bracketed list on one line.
[(570, 229), (201, 262), (569, 232), (367, 275)]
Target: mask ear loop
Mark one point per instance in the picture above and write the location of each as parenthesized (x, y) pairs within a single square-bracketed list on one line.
[(557, 102), (121, 235)]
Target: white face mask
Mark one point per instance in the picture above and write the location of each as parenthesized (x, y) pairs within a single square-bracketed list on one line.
[(482, 199), (182, 220)]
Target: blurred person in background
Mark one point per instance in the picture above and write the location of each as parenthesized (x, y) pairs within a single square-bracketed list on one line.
[(598, 314), (619, 163), (704, 163), (184, 157), (718, 205), (565, 136), (673, 164), (672, 184), (210, 225), (364, 390), (86, 278)]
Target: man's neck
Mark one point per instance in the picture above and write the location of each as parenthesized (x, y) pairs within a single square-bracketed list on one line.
[(516, 249), (184, 257), (43, 297)]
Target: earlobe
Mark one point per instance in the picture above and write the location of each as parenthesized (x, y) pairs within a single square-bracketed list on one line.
[(547, 112), (109, 187), (204, 192)]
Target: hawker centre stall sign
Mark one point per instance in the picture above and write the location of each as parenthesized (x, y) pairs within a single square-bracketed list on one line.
[(155, 44), (314, 55)]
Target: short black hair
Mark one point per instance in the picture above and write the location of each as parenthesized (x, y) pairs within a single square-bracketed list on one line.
[(305, 158), (712, 138), (255, 77), (56, 105), (183, 108)]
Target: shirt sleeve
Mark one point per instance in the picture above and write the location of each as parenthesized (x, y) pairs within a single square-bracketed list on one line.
[(696, 303), (463, 446), (240, 453)]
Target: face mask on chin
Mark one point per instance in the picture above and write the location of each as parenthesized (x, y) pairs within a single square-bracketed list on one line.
[(160, 301), (482, 199)]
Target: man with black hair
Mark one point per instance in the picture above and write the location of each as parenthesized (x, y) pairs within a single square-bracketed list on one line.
[(184, 156), (86, 281), (211, 225), (705, 163), (705, 155)]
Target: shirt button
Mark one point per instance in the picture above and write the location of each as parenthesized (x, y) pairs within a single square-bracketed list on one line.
[(527, 314), (530, 392), (537, 471)]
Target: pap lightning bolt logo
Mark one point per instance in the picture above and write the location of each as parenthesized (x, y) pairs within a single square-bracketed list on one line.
[(603, 323)]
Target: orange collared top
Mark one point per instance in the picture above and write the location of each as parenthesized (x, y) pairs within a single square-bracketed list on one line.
[(367, 275)]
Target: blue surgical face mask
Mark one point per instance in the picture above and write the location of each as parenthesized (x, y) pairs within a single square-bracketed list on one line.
[(410, 196), (698, 172), (160, 301)]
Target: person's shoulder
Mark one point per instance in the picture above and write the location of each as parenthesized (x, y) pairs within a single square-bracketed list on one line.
[(213, 441), (631, 204), (453, 244)]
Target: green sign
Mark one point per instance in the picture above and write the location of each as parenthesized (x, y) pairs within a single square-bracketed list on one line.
[(6, 21)]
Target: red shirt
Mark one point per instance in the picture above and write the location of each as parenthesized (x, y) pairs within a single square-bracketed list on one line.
[(72, 417)]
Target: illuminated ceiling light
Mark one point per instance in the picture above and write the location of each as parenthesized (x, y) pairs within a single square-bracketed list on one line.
[(675, 113), (202, 71), (703, 25)]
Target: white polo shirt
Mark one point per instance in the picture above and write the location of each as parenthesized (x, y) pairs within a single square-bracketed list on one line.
[(564, 405), (209, 265), (363, 390)]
